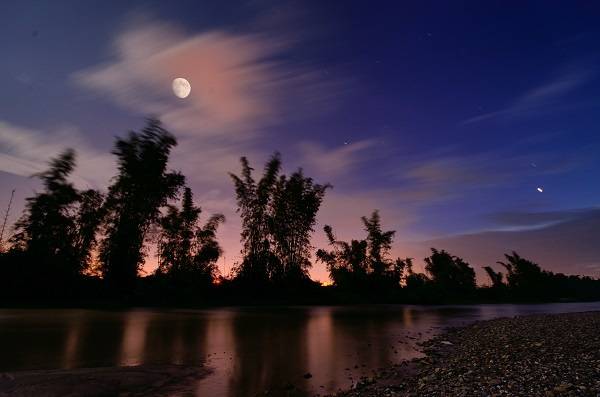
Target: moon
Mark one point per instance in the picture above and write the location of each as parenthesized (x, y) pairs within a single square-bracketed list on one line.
[(181, 87), (540, 189)]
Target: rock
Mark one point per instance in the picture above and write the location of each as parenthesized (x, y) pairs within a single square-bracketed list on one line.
[(520, 356)]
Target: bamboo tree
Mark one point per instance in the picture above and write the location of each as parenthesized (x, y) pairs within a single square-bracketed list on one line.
[(278, 215), (186, 249), (141, 188)]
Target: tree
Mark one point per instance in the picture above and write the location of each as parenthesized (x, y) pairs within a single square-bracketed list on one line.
[(278, 214), (186, 250), (346, 262), (143, 185), (495, 277), (525, 278), (57, 231), (46, 229), (88, 219), (364, 263), (450, 274), (379, 244), (253, 201), (296, 201)]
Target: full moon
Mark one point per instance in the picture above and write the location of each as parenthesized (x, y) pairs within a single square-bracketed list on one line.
[(181, 87)]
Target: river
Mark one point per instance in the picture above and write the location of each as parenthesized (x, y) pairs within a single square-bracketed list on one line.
[(249, 350)]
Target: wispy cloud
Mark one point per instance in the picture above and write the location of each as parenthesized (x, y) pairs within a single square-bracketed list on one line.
[(569, 244), (538, 99), (238, 80), (243, 86), (334, 162), (25, 152), (453, 174), (523, 220)]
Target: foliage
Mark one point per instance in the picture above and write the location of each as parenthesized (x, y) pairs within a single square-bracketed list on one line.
[(278, 214), (295, 203), (57, 231), (364, 264), (450, 274), (522, 274), (55, 242), (495, 277), (346, 262), (141, 188), (188, 252)]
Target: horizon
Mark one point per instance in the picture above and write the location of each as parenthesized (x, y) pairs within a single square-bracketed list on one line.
[(448, 134)]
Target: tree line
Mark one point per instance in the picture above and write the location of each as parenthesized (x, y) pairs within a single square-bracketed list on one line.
[(91, 245)]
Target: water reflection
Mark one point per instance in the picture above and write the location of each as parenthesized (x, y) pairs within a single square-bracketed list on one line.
[(134, 338), (265, 341), (249, 350)]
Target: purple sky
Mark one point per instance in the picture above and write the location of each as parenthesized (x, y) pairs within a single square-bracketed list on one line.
[(446, 117)]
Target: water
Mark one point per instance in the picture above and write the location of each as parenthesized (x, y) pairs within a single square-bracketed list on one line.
[(249, 350)]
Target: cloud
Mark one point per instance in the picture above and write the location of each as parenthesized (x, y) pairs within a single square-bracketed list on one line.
[(25, 152), (448, 174), (538, 99), (331, 163), (243, 85), (568, 244), (523, 220), (239, 81)]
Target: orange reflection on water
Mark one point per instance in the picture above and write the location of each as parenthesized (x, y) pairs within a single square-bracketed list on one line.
[(134, 338)]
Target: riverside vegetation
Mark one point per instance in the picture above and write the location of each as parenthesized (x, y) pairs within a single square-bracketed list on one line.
[(75, 246)]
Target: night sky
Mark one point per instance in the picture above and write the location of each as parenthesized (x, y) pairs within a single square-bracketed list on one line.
[(445, 116)]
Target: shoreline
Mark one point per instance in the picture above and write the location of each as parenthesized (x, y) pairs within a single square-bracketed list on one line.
[(547, 355), (142, 380), (276, 305)]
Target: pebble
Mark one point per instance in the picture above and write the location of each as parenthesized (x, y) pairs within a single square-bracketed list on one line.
[(539, 355)]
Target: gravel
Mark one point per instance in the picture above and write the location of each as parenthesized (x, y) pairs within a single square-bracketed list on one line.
[(539, 355)]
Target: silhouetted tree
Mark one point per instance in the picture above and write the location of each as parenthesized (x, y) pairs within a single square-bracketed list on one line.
[(46, 229), (364, 263), (495, 277), (403, 268), (188, 252), (58, 228), (296, 201), (143, 185), (450, 274), (253, 201), (278, 214), (90, 215), (346, 262), (525, 278), (379, 244), (416, 282)]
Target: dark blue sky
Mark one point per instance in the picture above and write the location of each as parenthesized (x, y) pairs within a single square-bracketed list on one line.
[(446, 116)]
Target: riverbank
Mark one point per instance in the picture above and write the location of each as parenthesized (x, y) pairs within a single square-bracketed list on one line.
[(159, 381), (537, 355)]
